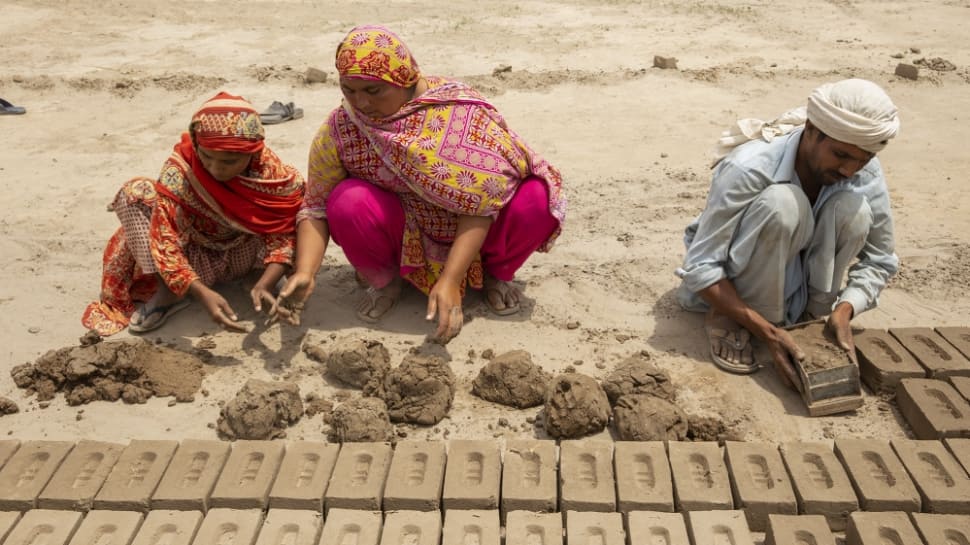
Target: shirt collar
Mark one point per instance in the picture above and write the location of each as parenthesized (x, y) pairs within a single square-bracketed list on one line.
[(785, 173)]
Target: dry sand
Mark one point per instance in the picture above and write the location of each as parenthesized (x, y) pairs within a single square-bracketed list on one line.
[(109, 86)]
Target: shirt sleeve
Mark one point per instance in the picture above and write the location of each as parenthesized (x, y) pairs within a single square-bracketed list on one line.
[(732, 190), (324, 172), (877, 261), (165, 244)]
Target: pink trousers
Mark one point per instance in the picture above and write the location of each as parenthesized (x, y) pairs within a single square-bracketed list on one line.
[(367, 222)]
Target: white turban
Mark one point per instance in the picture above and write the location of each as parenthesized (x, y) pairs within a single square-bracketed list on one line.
[(854, 111)]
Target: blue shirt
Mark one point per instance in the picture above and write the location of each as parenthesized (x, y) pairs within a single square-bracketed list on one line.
[(737, 181)]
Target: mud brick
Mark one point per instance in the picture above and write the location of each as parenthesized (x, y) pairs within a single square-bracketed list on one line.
[(7, 521), (26, 473), (821, 485), (358, 477), (290, 527), (942, 483), (959, 337), (193, 471), (132, 481), (790, 529), (586, 476), (759, 482), (880, 528), (168, 527), (477, 526), (529, 476), (241, 524), (653, 527), (51, 527), (700, 477), (7, 448), (883, 361), (719, 526), (473, 475), (961, 451), (643, 477), (248, 476), (907, 71), (412, 528), (933, 408), (591, 527), (416, 476), (303, 476), (108, 527), (933, 352), (80, 476), (529, 528), (943, 529), (351, 525), (665, 63), (878, 477), (961, 385)]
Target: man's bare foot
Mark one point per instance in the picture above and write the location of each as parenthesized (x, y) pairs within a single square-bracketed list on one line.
[(501, 296), (376, 302), (730, 344)]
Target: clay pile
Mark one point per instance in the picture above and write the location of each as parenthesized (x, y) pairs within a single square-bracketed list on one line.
[(261, 410)]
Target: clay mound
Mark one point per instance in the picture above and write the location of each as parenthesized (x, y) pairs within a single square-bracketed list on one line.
[(636, 375), (360, 420), (132, 370), (7, 406), (420, 390), (512, 379), (639, 417), (576, 406), (261, 410), (357, 362), (708, 428)]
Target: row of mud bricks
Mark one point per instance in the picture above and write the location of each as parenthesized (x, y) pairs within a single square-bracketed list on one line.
[(604, 493), (927, 369)]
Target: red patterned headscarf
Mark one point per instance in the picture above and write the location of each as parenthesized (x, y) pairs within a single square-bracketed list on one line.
[(227, 123), (374, 52)]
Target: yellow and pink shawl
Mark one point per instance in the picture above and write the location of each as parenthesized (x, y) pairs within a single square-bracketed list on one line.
[(445, 153)]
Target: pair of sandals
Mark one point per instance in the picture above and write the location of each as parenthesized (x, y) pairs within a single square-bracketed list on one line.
[(279, 112), (378, 302), (7, 108)]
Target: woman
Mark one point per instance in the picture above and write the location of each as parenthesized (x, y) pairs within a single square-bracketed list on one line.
[(223, 205), (420, 178)]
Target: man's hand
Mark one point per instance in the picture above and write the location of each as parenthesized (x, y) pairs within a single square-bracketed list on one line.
[(217, 307), (839, 325), (445, 302), (785, 352)]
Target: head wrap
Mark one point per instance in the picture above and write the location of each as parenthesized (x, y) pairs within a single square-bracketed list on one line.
[(854, 111), (227, 123), (376, 53)]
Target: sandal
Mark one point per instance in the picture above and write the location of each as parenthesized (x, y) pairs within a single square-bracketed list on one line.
[(156, 317), (279, 112), (503, 290), (7, 108), (723, 333), (372, 301)]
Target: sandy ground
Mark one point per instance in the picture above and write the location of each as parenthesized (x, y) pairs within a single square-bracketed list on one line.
[(109, 86)]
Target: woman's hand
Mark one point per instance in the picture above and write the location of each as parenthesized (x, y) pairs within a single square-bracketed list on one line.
[(217, 307), (293, 297), (444, 301)]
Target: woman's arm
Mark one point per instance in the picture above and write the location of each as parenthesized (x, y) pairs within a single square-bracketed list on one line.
[(444, 300)]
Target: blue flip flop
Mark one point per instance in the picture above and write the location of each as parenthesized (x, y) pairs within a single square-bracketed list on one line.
[(7, 108), (149, 322)]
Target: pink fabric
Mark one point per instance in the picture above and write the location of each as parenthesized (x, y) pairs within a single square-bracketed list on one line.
[(367, 222)]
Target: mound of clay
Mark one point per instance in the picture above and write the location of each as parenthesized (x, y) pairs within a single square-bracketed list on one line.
[(132, 370), (363, 419), (7, 406), (420, 390), (708, 428), (639, 417), (576, 406), (635, 375), (356, 362), (512, 379), (261, 410)]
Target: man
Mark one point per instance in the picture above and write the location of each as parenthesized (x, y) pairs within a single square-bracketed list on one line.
[(785, 218)]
